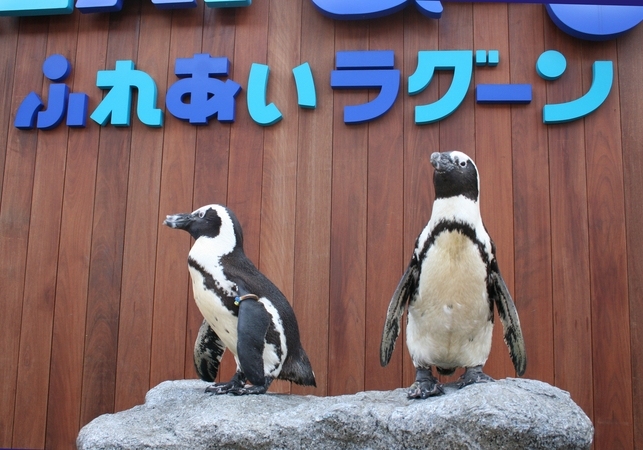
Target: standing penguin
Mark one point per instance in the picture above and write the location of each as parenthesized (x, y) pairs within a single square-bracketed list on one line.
[(243, 310), (451, 286)]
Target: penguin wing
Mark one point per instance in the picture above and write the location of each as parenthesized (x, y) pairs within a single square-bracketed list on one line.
[(252, 327), (406, 288), (510, 322), (208, 350)]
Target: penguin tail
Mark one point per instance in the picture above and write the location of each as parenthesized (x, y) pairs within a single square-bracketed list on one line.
[(297, 369)]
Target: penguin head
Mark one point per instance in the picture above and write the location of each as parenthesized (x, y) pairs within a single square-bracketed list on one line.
[(210, 221), (455, 174)]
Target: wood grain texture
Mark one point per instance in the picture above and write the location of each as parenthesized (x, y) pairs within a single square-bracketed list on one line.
[(348, 232), (630, 69), (42, 259), (608, 263), (63, 414), (15, 214), (313, 208), (141, 226), (532, 218), (108, 231), (569, 233), (97, 299), (385, 210)]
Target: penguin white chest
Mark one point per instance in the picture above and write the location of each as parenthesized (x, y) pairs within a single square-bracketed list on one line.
[(220, 318), (448, 324)]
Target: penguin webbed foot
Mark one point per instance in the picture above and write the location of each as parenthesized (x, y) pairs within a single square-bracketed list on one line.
[(238, 381), (252, 388), (425, 386), (473, 375)]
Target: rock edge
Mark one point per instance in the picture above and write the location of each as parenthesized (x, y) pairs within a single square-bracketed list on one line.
[(510, 413)]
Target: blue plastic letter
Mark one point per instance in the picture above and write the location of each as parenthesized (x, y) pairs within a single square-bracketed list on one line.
[(256, 97), (428, 62), (601, 85), (306, 96), (117, 104)]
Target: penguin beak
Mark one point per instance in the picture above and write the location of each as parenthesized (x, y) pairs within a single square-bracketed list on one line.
[(180, 221), (441, 162)]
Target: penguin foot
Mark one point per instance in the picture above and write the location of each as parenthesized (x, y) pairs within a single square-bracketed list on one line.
[(238, 381), (473, 375), (425, 386), (252, 388)]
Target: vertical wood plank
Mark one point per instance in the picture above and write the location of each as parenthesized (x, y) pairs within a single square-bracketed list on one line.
[(630, 71), (569, 232), (385, 210), (348, 232), (494, 160), (279, 182), (177, 190), (608, 263), (42, 257), (313, 207), (106, 261), (420, 33), (533, 278), (8, 45), (65, 384), (455, 32), (15, 214), (141, 226)]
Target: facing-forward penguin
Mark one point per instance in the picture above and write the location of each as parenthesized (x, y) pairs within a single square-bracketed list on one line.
[(451, 286), (243, 310)]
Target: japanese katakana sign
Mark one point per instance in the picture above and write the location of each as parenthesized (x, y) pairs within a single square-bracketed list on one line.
[(200, 94)]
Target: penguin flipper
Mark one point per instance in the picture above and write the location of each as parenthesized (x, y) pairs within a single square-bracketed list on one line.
[(208, 350), (252, 327), (510, 322), (406, 288)]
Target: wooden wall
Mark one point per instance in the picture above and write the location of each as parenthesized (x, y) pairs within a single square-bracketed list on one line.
[(96, 302)]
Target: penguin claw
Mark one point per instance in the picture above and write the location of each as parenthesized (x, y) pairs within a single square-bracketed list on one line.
[(425, 389), (238, 381), (250, 389), (473, 375)]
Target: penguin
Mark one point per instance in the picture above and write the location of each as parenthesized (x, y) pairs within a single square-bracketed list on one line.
[(243, 310), (450, 288)]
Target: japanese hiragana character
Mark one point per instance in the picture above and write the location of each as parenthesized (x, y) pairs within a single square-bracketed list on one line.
[(117, 104), (500, 92), (262, 113), (428, 62), (306, 96), (30, 114), (365, 70), (368, 9), (551, 65), (207, 96)]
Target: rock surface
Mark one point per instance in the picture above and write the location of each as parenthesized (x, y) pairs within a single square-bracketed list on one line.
[(509, 413)]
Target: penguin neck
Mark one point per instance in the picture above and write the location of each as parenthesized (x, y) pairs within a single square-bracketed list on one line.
[(208, 251), (457, 209)]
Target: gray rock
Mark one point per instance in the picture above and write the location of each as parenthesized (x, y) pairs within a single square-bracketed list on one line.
[(509, 413)]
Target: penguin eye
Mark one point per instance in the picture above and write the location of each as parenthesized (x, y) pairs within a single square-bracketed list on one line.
[(201, 214), (463, 163)]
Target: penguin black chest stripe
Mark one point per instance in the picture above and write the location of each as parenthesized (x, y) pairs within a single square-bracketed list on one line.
[(210, 284), (450, 226)]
